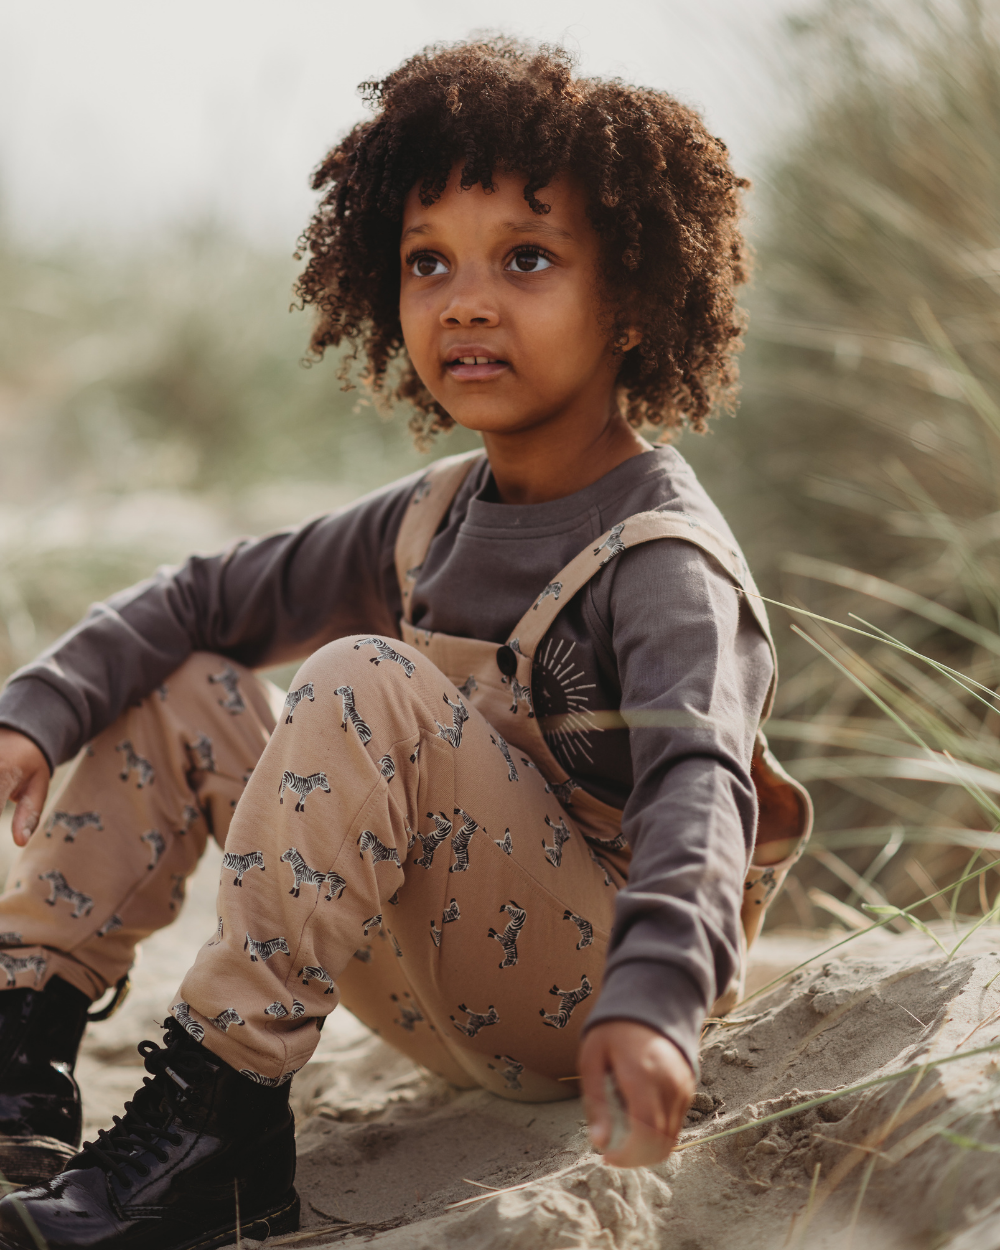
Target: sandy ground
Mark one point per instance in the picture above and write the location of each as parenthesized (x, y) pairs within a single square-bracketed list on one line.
[(384, 1148)]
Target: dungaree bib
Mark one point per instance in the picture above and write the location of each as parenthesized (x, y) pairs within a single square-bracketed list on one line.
[(497, 680)]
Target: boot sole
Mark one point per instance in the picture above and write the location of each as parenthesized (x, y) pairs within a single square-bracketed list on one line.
[(283, 1219)]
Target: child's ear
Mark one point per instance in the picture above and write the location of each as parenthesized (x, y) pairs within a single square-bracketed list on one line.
[(632, 337)]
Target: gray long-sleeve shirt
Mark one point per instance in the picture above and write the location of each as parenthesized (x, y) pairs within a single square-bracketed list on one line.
[(659, 635)]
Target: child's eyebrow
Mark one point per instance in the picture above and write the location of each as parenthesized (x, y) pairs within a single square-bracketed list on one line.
[(530, 226), (537, 227)]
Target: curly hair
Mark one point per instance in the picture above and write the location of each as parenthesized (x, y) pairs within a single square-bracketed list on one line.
[(660, 193)]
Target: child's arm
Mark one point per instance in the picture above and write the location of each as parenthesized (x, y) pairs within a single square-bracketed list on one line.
[(694, 671), (263, 602)]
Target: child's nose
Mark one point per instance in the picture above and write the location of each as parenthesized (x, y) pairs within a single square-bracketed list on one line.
[(471, 302)]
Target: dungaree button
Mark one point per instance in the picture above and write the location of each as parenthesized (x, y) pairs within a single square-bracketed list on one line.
[(507, 661)]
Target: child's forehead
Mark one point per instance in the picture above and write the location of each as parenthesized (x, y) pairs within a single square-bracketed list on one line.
[(502, 207)]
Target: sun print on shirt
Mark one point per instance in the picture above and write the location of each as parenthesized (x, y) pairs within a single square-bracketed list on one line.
[(562, 699)]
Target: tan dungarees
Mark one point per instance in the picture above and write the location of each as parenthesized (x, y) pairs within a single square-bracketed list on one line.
[(405, 843)]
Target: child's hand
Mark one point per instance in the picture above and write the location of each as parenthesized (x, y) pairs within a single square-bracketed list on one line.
[(24, 779), (654, 1080)]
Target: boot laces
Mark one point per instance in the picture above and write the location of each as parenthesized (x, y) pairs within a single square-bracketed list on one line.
[(173, 1069)]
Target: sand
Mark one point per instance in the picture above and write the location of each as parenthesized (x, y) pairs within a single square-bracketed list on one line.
[(384, 1148)]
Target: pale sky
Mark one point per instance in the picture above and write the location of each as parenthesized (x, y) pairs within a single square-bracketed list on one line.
[(118, 117)]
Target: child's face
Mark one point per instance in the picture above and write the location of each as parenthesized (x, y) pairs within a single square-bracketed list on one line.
[(484, 278)]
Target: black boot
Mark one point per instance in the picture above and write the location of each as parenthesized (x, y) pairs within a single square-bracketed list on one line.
[(195, 1138), (40, 1118)]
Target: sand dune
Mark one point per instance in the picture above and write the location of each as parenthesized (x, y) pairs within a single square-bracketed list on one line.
[(385, 1148)]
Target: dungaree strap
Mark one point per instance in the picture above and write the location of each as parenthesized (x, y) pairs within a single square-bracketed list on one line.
[(643, 527), (427, 508), (784, 803)]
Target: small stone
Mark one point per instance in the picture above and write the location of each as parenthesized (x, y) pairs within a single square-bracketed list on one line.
[(732, 1055)]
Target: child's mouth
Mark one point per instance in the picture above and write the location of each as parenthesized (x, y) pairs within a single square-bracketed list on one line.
[(475, 367)]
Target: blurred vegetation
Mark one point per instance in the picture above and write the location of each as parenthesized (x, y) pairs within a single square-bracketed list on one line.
[(869, 437), (153, 402)]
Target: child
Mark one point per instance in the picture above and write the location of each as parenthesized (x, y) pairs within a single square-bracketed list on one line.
[(506, 812)]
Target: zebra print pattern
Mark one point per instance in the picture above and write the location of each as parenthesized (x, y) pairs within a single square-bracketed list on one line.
[(408, 1015), (14, 964), (429, 842), (585, 927), (137, 764), (351, 714), (372, 922), (508, 938), (264, 950), (505, 844), (229, 680), (304, 875), (279, 1011), (385, 652), (272, 1082), (554, 589), (460, 842), (191, 816), (459, 715), (476, 1020), (380, 852), (521, 694), (510, 1073), (111, 925), (468, 686), (317, 974), (608, 844), (226, 1019), (612, 544), (202, 753), (560, 836), (82, 903), (504, 750), (241, 865), (600, 864), (157, 845), (301, 786), (295, 697), (73, 823), (568, 1001), (182, 1014), (387, 767)]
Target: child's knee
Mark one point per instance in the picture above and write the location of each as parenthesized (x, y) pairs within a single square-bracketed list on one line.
[(357, 657)]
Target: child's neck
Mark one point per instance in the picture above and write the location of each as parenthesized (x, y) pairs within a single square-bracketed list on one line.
[(539, 465)]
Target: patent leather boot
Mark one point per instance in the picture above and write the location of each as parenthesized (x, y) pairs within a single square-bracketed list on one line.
[(40, 1116), (196, 1139)]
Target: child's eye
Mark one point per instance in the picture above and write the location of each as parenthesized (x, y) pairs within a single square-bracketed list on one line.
[(529, 260), (427, 266)]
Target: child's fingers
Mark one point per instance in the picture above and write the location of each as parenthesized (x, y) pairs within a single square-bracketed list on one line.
[(24, 779), (649, 1139), (593, 1065), (30, 797)]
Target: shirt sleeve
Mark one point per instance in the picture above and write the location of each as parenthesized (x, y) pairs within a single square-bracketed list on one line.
[(262, 602), (694, 669)]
